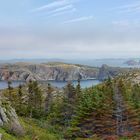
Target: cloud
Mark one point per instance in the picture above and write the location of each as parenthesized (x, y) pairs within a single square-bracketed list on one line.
[(62, 12), (56, 4), (57, 8), (69, 43), (78, 19), (52, 5), (121, 23), (132, 5), (64, 8), (127, 24), (129, 8)]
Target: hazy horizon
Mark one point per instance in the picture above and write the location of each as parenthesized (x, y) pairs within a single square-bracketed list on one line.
[(109, 58)]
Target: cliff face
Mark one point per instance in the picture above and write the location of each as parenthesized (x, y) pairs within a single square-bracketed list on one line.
[(57, 71), (106, 72)]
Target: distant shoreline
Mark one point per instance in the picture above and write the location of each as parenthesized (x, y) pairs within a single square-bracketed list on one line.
[(58, 84), (48, 80)]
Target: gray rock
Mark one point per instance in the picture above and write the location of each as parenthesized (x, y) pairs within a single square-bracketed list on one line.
[(110, 72), (9, 119), (43, 72), (0, 136)]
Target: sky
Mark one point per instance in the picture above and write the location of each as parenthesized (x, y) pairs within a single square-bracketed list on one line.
[(69, 29)]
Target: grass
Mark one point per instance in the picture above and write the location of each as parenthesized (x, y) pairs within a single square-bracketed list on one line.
[(33, 130)]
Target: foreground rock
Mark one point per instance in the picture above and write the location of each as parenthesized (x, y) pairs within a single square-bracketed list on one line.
[(9, 119)]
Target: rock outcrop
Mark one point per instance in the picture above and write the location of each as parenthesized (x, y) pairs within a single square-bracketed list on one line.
[(56, 71), (106, 72), (9, 119), (43, 72)]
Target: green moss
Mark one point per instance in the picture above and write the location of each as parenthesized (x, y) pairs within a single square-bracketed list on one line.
[(33, 130), (7, 136)]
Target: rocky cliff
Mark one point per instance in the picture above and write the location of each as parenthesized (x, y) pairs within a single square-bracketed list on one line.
[(49, 71), (106, 72), (56, 71)]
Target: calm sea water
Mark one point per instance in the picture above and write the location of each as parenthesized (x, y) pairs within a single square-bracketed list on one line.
[(3, 84), (59, 84)]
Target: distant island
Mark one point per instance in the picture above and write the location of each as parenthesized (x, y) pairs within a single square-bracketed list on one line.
[(133, 62)]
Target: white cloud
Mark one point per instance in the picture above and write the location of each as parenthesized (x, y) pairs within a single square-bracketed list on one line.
[(121, 23), (39, 47), (127, 24), (52, 5), (57, 8), (132, 5), (128, 8), (60, 43), (63, 12), (78, 19), (64, 8)]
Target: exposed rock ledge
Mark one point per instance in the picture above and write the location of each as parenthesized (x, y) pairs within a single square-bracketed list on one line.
[(43, 72), (106, 72), (56, 71)]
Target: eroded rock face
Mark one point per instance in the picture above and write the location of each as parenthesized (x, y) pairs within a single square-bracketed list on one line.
[(43, 72), (57, 72), (9, 119), (106, 72)]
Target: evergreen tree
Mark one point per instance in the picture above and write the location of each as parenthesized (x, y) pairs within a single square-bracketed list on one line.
[(48, 100), (69, 103), (78, 89), (37, 96), (34, 99), (70, 92), (30, 98), (19, 103), (10, 88)]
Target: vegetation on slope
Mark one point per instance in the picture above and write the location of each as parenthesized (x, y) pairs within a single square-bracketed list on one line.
[(107, 111), (34, 131)]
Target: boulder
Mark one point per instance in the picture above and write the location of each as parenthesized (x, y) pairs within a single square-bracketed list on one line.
[(9, 119)]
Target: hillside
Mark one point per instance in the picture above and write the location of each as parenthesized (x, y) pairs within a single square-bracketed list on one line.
[(108, 111), (46, 71), (106, 71), (57, 71)]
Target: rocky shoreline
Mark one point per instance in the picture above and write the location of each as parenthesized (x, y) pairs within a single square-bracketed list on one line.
[(56, 72)]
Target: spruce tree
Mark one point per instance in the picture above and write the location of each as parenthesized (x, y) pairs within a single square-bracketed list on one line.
[(34, 99), (10, 91), (78, 89), (20, 104), (30, 98), (69, 103), (48, 99)]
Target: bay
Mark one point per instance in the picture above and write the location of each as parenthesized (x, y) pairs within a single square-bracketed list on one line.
[(59, 84)]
